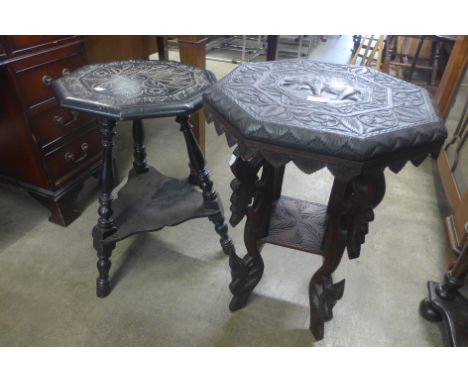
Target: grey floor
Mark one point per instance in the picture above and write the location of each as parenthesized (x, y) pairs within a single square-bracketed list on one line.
[(171, 286)]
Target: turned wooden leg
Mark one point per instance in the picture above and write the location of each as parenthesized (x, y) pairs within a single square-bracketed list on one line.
[(435, 61), (247, 272), (139, 151), (349, 213), (197, 162), (105, 225), (454, 278)]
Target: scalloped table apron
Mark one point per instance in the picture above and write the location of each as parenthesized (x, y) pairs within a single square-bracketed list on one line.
[(134, 90), (353, 120)]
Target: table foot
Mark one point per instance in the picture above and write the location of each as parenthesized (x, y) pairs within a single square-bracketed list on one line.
[(103, 287), (428, 312), (323, 295), (246, 274), (104, 252)]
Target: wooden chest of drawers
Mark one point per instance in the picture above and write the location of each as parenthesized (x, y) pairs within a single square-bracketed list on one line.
[(44, 149)]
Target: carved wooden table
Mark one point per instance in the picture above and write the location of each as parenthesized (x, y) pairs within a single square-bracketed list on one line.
[(354, 121), (134, 90)]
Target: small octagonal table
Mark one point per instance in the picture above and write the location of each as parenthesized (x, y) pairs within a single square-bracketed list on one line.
[(353, 120), (134, 90)]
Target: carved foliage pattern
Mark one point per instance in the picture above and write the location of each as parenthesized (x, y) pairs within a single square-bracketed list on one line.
[(135, 82), (327, 108)]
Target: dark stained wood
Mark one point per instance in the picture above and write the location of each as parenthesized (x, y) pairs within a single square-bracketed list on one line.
[(56, 124), (246, 272), (358, 187), (105, 225), (61, 208), (17, 48), (35, 134), (100, 49), (161, 44), (18, 43), (2, 48), (151, 201), (34, 83), (198, 164), (272, 47), (139, 151), (297, 224), (445, 302), (448, 180), (192, 50), (452, 76), (242, 186), (448, 88), (62, 163), (350, 209)]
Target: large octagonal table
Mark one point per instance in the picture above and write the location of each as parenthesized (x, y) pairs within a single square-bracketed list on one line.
[(353, 120)]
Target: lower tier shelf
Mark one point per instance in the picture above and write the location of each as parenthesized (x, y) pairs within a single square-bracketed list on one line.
[(150, 201), (297, 224)]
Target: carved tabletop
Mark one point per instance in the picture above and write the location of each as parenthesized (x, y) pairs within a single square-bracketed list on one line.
[(134, 89), (353, 120), (346, 112)]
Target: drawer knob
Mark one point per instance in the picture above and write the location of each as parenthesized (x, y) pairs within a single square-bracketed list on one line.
[(59, 120), (47, 80), (70, 157)]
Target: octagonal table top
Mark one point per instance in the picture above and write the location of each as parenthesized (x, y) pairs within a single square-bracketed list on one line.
[(345, 111), (134, 89)]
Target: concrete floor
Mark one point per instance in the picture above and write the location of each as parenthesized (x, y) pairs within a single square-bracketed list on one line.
[(171, 286)]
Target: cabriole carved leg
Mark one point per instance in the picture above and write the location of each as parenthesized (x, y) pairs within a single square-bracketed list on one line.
[(105, 225), (247, 272), (139, 151), (197, 161), (349, 213)]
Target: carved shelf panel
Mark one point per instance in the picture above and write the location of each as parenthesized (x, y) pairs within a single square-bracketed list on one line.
[(151, 201), (297, 224)]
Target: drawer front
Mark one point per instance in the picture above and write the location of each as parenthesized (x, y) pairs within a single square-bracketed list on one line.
[(2, 49), (24, 42), (35, 83), (55, 123), (74, 157)]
